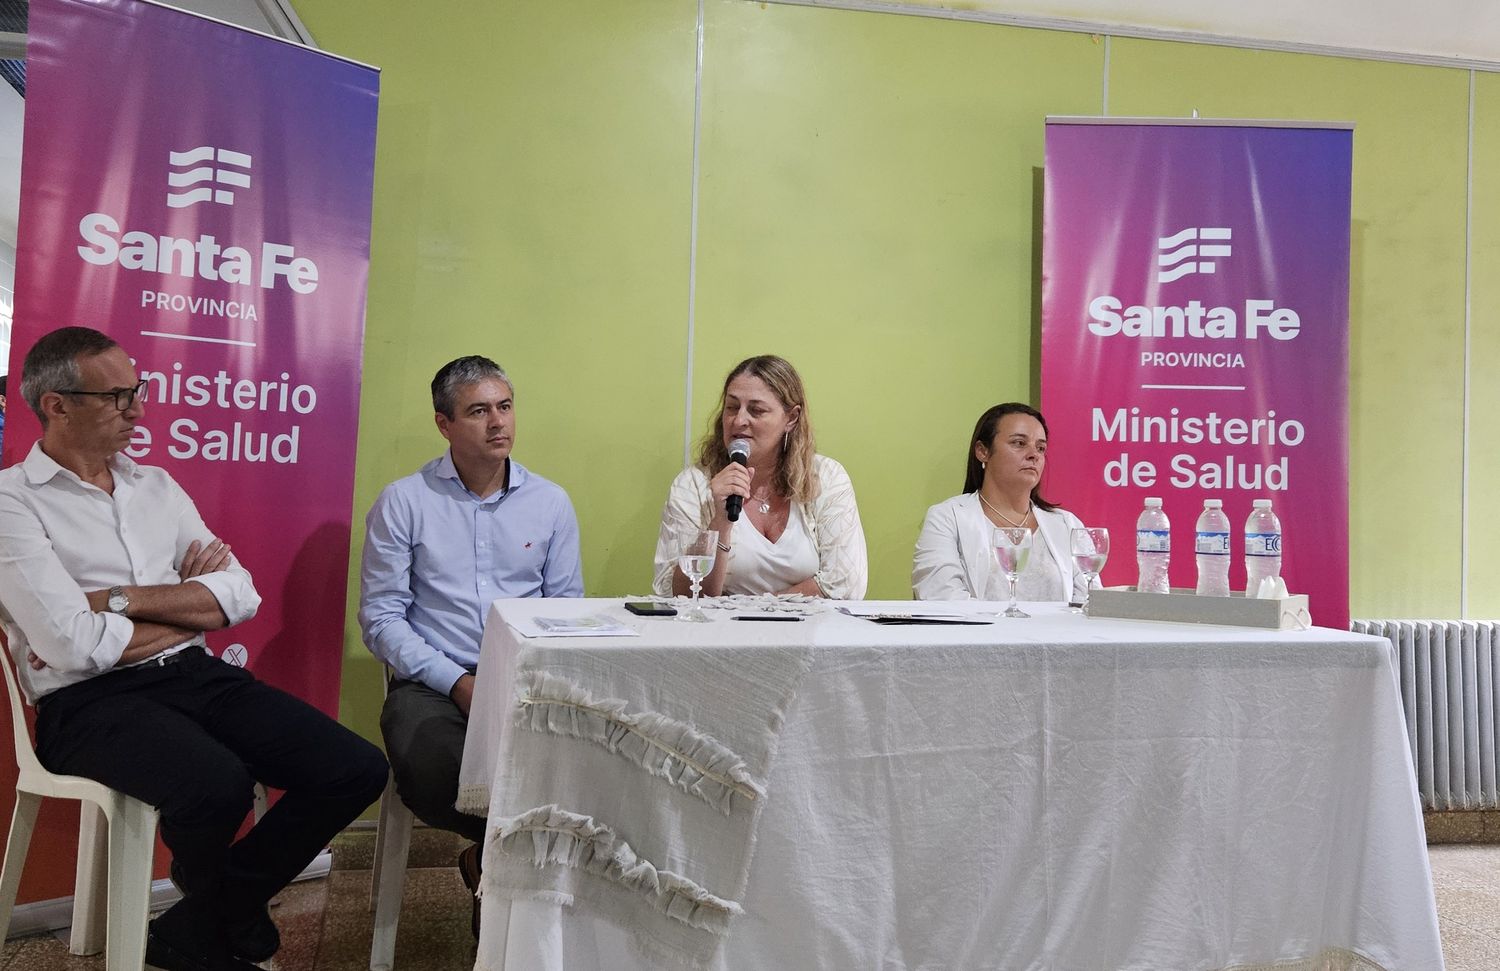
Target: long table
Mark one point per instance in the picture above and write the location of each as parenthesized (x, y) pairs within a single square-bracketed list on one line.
[(1059, 793)]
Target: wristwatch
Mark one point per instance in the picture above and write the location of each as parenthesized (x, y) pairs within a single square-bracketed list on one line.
[(118, 602)]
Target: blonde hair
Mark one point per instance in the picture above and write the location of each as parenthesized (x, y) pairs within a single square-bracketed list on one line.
[(795, 477)]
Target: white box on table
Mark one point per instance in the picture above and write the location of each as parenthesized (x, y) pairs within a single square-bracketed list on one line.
[(1183, 606)]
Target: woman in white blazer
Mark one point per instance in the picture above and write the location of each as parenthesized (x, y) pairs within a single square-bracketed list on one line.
[(955, 556)]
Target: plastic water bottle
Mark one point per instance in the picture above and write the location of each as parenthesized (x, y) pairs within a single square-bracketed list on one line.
[(1262, 547), (1213, 550), (1153, 548)]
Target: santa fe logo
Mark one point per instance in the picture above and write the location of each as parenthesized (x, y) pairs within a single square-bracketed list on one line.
[(186, 187), (206, 258), (1191, 251), (1187, 252)]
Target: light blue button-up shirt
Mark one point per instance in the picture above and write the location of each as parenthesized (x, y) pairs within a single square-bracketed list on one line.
[(436, 555)]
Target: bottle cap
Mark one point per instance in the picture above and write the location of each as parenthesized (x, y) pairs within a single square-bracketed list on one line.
[(1262, 504), (1213, 504), (1153, 503)]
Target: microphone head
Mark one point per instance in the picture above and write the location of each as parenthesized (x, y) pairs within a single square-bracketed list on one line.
[(739, 451)]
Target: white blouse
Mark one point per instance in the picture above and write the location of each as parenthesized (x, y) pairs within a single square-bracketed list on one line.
[(757, 565), (1039, 582), (828, 527)]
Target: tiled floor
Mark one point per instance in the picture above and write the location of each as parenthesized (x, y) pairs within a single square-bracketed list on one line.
[(1467, 881), (325, 924)]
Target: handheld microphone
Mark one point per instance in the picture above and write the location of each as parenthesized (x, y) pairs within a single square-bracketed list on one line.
[(739, 452)]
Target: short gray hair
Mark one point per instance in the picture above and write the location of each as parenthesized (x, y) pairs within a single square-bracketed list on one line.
[(457, 373), (52, 362)]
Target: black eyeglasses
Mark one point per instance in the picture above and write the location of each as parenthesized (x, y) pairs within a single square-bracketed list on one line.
[(124, 397)]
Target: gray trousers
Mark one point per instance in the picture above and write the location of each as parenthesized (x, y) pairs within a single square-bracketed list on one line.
[(424, 741)]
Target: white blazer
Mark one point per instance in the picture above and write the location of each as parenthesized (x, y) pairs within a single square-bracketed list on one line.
[(955, 553)]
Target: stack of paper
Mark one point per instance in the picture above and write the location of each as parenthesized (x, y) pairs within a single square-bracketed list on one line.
[(588, 626)]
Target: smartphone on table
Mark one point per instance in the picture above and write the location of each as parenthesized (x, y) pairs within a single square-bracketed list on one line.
[(645, 608)]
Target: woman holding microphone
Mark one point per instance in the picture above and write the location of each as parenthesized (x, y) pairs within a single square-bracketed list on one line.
[(798, 528), (955, 555)]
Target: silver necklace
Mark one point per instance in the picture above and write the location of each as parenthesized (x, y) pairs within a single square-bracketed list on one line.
[(1009, 522), (765, 504)]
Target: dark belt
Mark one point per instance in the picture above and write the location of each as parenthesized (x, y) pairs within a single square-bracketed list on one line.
[(162, 660)]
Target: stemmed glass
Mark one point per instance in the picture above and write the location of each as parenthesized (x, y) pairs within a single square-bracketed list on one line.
[(1013, 549), (1090, 552), (696, 550)]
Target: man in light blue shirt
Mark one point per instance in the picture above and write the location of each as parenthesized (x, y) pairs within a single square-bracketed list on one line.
[(470, 526)]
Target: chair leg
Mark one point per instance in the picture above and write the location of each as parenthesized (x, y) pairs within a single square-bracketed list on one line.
[(22, 822), (132, 846), (396, 823), (382, 833), (89, 883)]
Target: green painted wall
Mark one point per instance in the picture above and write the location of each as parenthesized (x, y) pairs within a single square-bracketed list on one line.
[(531, 204), (1484, 356), (869, 207), (877, 232)]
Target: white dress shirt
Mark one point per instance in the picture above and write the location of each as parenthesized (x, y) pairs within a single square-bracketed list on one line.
[(61, 537), (831, 520)]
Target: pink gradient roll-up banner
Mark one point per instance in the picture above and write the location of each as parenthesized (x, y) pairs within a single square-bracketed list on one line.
[(1195, 336), (202, 194)]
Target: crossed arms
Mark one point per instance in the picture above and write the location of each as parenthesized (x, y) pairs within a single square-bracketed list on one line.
[(168, 614), (59, 554)]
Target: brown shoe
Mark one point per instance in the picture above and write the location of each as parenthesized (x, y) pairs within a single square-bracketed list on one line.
[(468, 869)]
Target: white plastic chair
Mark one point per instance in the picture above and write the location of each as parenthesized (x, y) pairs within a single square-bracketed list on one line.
[(130, 826), (388, 876)]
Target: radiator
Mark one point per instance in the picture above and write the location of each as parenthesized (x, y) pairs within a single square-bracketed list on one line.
[(1451, 696)]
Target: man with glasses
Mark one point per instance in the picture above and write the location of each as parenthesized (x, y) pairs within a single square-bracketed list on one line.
[(108, 579)]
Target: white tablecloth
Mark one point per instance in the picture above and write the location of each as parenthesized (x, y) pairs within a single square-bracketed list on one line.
[(1053, 794)]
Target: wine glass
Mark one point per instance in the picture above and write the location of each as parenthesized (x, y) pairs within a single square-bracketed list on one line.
[(1013, 549), (1090, 548), (696, 550)]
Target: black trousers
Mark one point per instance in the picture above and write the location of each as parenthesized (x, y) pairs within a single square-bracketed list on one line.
[(424, 737), (192, 738)]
